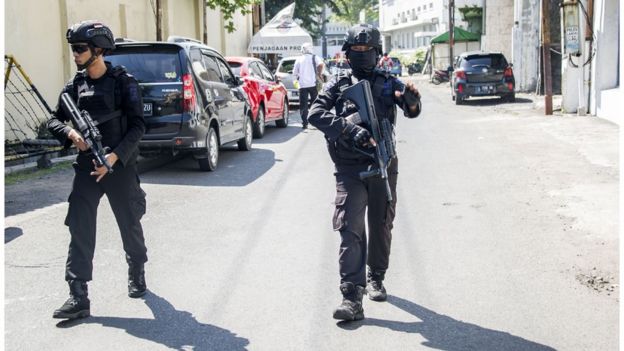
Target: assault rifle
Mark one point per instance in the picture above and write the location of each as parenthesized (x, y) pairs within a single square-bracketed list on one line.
[(84, 124), (383, 133)]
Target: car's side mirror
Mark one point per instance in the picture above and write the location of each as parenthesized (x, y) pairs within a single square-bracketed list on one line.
[(238, 81)]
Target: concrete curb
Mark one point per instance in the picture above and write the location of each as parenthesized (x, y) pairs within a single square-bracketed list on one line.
[(33, 165)]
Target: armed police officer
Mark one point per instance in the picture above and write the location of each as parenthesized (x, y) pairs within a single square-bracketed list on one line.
[(346, 138), (113, 99)]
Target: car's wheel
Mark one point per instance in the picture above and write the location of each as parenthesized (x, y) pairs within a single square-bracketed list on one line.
[(209, 164), (458, 100), (244, 143), (258, 128), (283, 123)]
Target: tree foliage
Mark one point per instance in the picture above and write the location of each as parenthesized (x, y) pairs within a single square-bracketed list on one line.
[(308, 12), (229, 7), (349, 10)]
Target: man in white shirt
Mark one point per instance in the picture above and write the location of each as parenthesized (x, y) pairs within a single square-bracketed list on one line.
[(307, 70)]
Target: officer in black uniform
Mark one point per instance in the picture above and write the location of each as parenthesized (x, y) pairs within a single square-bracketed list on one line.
[(113, 99), (363, 48)]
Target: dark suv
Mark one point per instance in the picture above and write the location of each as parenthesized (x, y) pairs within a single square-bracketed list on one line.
[(191, 100), (482, 74)]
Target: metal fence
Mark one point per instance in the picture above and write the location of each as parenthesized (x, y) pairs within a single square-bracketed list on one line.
[(25, 115)]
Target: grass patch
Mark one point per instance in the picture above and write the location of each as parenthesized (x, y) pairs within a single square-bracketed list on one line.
[(21, 176)]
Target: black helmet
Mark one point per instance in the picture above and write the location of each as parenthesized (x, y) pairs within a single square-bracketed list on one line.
[(362, 34), (91, 32)]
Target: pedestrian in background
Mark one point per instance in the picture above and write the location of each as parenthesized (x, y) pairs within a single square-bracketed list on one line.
[(385, 63), (348, 141), (113, 99), (307, 71)]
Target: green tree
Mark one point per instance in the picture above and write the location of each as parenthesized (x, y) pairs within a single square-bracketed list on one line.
[(349, 10), (229, 7), (309, 11)]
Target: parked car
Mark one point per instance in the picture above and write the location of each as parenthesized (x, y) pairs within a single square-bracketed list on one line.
[(337, 66), (397, 68), (482, 74), (267, 95), (192, 101), (284, 72)]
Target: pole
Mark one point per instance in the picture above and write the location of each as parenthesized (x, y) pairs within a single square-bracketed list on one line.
[(451, 30), (323, 34), (158, 21), (205, 25), (548, 109)]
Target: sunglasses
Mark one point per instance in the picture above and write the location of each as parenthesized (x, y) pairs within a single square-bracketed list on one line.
[(79, 48)]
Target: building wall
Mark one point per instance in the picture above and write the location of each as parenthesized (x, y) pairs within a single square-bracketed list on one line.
[(526, 44), (499, 21), (606, 98), (37, 40), (411, 24)]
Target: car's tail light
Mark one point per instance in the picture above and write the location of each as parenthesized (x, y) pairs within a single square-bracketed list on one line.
[(460, 88), (188, 92), (510, 86), (508, 72), (459, 74)]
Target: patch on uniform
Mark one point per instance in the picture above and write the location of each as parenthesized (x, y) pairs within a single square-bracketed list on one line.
[(387, 88), (134, 92)]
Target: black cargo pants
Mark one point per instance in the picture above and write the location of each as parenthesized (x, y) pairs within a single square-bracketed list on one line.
[(306, 98), (353, 196), (127, 201)]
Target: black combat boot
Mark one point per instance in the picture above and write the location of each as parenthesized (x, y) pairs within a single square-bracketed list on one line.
[(78, 304), (351, 307), (136, 279), (374, 286)]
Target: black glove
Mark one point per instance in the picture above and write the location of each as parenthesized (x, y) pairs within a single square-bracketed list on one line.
[(360, 136), (410, 97)]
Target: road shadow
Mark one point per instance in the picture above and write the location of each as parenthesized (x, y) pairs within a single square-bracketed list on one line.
[(172, 328), (445, 333), (11, 233), (235, 168), (275, 135), (492, 101)]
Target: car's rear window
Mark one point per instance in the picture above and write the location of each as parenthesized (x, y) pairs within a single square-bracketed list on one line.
[(149, 64), (494, 61), (287, 66), (236, 67), (395, 61)]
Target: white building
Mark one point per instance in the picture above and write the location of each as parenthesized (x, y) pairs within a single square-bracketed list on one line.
[(335, 34), (411, 24)]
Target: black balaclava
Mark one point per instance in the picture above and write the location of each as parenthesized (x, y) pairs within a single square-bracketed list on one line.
[(362, 62)]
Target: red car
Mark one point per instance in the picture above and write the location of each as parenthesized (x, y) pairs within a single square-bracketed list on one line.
[(267, 95)]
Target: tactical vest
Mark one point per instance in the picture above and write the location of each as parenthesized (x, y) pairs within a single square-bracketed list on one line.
[(381, 90), (103, 99)]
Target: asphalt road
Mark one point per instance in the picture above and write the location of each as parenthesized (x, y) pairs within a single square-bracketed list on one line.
[(505, 238)]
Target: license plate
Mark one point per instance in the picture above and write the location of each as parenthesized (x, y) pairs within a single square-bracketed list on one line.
[(147, 109), (485, 89), (294, 93)]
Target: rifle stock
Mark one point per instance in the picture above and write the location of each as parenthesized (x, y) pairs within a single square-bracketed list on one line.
[(86, 127)]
